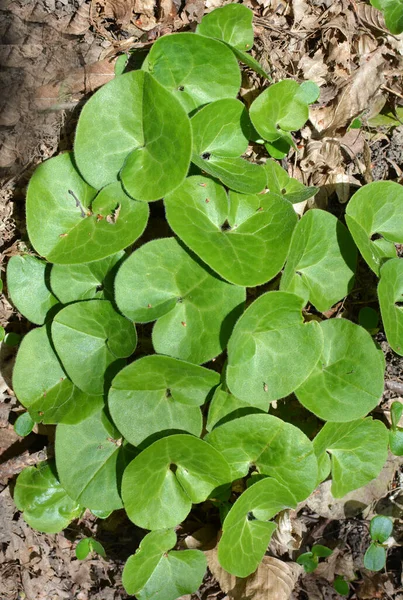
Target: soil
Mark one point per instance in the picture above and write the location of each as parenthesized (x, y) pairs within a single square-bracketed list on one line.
[(54, 54)]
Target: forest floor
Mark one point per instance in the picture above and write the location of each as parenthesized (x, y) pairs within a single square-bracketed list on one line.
[(54, 54)]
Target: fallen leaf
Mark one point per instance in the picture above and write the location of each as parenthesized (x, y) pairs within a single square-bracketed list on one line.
[(314, 68)]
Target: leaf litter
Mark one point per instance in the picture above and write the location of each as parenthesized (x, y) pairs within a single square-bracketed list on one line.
[(56, 53)]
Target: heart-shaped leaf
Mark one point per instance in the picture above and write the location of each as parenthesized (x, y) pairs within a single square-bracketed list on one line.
[(66, 222), (244, 238), (45, 504), (158, 393), (270, 445), (347, 382), (85, 281), (374, 217), (42, 386), (28, 287), (154, 571), (282, 107), (196, 311), (161, 484), (390, 294), (90, 339), (196, 69), (90, 460), (145, 139), (225, 406), (279, 182), (271, 351), (320, 245), (220, 135), (358, 451), (247, 529)]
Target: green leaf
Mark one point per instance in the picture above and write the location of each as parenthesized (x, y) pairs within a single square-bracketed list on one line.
[(374, 217), (158, 393), (145, 139), (28, 287), (393, 13), (224, 406), (91, 339), (120, 64), (45, 504), (87, 545), (282, 107), (321, 551), (348, 381), (281, 147), (396, 441), (358, 452), (369, 319), (68, 224), (231, 23), (387, 118), (43, 387), (396, 412), (90, 460), (380, 528), (85, 281), (271, 351), (196, 69), (154, 572), (341, 586), (161, 484), (244, 238), (250, 62), (390, 294), (247, 529), (273, 447), (24, 424), (196, 310), (279, 182), (320, 245), (308, 561), (375, 557), (2, 333), (12, 339)]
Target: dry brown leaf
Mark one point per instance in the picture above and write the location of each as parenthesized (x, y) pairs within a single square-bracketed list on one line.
[(204, 538), (288, 535), (314, 68), (353, 99), (273, 579), (80, 21), (77, 83), (119, 10), (338, 563)]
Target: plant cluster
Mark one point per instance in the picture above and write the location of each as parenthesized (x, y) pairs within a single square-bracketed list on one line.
[(163, 433)]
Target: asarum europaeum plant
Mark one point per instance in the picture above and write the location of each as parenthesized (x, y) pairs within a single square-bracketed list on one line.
[(163, 433)]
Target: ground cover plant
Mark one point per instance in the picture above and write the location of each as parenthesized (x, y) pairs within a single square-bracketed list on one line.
[(163, 433)]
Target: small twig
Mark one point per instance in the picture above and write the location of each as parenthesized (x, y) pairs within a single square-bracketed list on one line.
[(18, 463), (387, 89), (394, 386)]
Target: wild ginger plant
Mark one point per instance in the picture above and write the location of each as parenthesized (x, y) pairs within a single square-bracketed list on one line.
[(170, 429)]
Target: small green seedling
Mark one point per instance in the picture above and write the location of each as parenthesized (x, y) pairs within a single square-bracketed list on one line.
[(380, 530), (341, 586), (310, 560), (396, 432), (88, 545)]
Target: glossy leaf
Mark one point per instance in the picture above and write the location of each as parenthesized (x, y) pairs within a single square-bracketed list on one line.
[(279, 182), (225, 406), (69, 224), (161, 484), (244, 238), (308, 561), (273, 447), (195, 310), (282, 107), (271, 351), (374, 217), (393, 13), (341, 586), (24, 424), (197, 70), (321, 551), (85, 281), (90, 461), (375, 557), (158, 393), (145, 139), (45, 504), (153, 571), (348, 381), (247, 530), (390, 294), (88, 545), (358, 451), (320, 245), (28, 287), (380, 528), (231, 23), (42, 386), (91, 339)]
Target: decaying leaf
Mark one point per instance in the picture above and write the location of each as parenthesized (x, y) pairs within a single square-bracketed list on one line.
[(274, 579), (314, 67)]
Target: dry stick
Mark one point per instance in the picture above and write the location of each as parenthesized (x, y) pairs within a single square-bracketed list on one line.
[(18, 463), (394, 386)]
